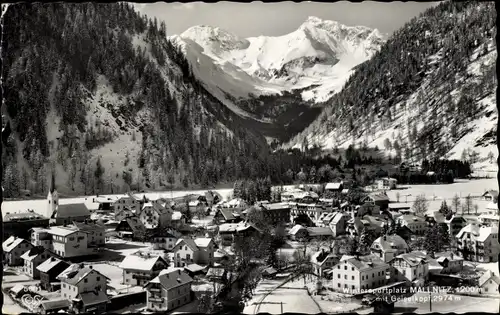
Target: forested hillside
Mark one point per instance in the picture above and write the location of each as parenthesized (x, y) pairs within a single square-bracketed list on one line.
[(97, 94), (429, 92)]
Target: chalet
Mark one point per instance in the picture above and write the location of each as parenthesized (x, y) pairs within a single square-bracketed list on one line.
[(127, 202), (478, 243), (389, 246), (378, 199), (164, 239), (415, 223), (19, 224), (41, 237), (334, 187), (131, 228), (227, 215), (169, 290), (323, 261), (387, 183), (33, 258), (276, 213), (198, 251), (337, 222), (360, 273), (229, 232), (312, 210), (489, 283), (95, 232), (409, 267), (49, 270), (85, 288), (491, 195), (13, 248), (140, 268), (67, 213), (154, 215), (70, 242)]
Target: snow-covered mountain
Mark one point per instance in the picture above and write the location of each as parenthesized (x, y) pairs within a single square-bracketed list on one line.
[(428, 93), (315, 60)]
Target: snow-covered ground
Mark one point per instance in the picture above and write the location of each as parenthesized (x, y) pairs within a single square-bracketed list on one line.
[(41, 206), (435, 194), (292, 295)]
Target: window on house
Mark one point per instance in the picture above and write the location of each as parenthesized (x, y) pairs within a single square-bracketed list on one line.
[(352, 287), (352, 268), (345, 277), (338, 285), (345, 267), (85, 280), (98, 278), (373, 275), (352, 277), (338, 276)]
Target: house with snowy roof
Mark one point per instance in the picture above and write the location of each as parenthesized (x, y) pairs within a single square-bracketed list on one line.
[(478, 243), (49, 270), (490, 195), (164, 239), (416, 224), (229, 232), (154, 215), (489, 283), (337, 222), (335, 186), (386, 183), (85, 288), (193, 251), (68, 241), (139, 268), (169, 290), (379, 199), (410, 267), (227, 215), (178, 220), (355, 273), (389, 246), (131, 228), (95, 232), (13, 248), (127, 202), (33, 258), (19, 223), (323, 261), (298, 232)]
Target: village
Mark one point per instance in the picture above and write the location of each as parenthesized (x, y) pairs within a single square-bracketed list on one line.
[(326, 248)]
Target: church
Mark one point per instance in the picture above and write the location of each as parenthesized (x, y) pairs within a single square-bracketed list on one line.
[(62, 214)]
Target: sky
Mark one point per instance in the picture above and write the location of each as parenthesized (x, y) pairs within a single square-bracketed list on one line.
[(276, 19)]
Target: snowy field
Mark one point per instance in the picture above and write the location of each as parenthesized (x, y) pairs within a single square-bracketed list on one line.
[(40, 206), (435, 194)]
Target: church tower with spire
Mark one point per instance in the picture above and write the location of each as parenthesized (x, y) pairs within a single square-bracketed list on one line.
[(52, 197)]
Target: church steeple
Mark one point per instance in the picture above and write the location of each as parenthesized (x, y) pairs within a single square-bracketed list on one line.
[(52, 183)]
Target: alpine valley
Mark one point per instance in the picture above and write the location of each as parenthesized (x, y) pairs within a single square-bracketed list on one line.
[(109, 101)]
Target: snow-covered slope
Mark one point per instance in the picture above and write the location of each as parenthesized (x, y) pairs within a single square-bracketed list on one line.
[(318, 57), (441, 105)]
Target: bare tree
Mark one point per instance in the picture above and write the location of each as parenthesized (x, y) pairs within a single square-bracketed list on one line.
[(455, 202), (420, 205)]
